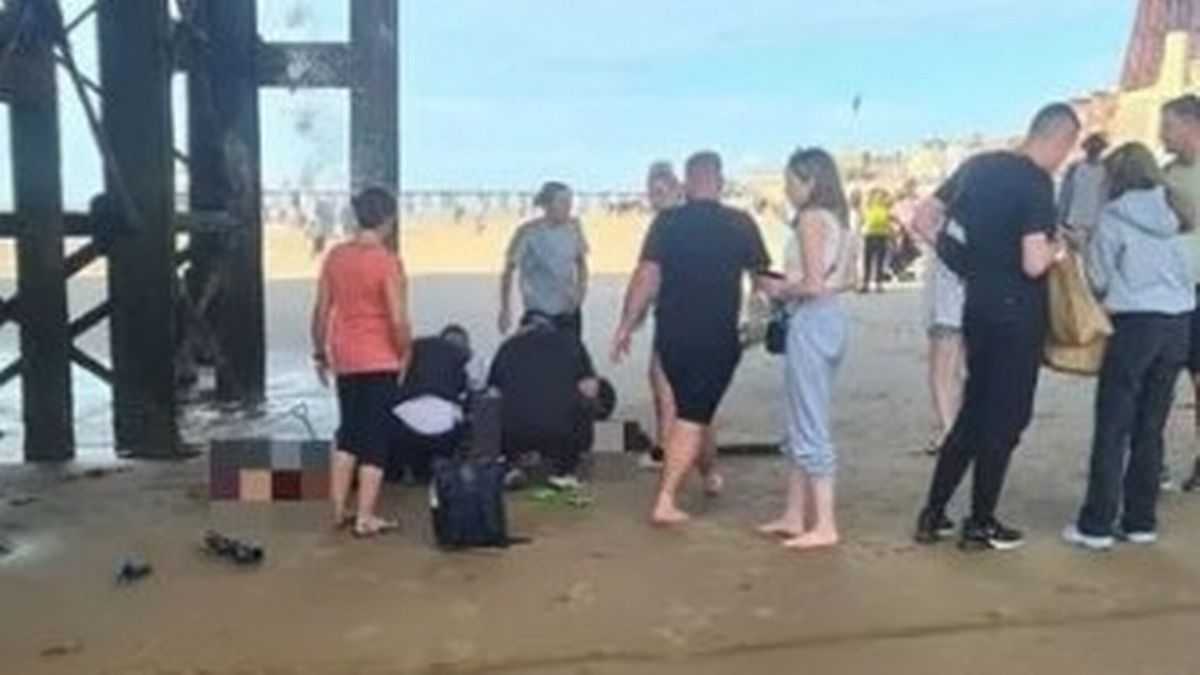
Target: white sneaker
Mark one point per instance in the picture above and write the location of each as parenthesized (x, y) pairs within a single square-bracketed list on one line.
[(1140, 538), (564, 482), (1074, 537)]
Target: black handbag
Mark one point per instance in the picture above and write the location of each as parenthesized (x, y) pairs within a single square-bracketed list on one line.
[(775, 339)]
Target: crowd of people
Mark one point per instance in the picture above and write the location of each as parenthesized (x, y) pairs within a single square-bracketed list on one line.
[(990, 235)]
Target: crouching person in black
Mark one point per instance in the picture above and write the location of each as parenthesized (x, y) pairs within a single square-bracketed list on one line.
[(429, 415), (549, 390)]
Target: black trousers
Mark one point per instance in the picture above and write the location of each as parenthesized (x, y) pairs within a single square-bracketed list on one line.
[(561, 448), (875, 251), (1003, 360), (1145, 356)]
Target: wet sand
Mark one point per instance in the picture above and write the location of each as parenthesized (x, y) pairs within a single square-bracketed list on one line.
[(599, 592)]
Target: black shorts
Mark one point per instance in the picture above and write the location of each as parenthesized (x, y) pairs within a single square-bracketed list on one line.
[(699, 372), (365, 402), (1194, 352)]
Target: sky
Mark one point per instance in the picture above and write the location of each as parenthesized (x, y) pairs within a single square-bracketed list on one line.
[(505, 94)]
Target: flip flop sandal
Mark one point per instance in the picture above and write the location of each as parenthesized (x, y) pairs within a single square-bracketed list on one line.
[(381, 526)]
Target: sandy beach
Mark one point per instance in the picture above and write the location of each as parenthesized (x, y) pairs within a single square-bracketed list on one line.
[(598, 592)]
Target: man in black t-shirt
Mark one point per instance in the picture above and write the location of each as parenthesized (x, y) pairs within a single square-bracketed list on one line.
[(693, 262), (546, 379), (1004, 202)]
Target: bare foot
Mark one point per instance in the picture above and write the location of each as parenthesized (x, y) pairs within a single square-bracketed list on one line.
[(668, 516), (783, 527), (822, 538), (714, 484), (343, 519)]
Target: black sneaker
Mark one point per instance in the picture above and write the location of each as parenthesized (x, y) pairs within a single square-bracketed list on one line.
[(933, 527), (990, 536)]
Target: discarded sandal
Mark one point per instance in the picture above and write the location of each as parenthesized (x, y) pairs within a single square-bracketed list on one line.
[(234, 550)]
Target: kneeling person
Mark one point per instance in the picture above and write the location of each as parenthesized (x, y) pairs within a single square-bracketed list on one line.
[(547, 382), (430, 410)]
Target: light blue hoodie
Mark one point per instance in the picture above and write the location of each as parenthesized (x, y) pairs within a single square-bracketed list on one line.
[(1137, 261)]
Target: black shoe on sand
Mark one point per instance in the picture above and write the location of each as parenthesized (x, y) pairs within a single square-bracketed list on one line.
[(990, 535), (933, 527)]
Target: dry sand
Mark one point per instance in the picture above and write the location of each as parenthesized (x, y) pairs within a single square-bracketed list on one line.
[(599, 592)]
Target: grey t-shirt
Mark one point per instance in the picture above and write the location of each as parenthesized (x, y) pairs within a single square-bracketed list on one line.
[(547, 258), (1083, 196)]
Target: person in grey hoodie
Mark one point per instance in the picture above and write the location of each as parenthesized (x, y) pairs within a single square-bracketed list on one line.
[(1138, 266)]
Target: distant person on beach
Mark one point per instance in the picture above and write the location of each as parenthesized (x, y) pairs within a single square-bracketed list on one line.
[(361, 332), (324, 224), (701, 250), (817, 253), (550, 256), (663, 191), (1181, 137), (877, 233), (904, 249), (1139, 268), (1083, 194), (1004, 202)]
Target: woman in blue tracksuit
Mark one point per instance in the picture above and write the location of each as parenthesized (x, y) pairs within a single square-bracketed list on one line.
[(816, 342)]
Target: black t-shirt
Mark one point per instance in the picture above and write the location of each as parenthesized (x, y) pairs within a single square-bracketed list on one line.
[(703, 249), (538, 371), (999, 198), (438, 369)]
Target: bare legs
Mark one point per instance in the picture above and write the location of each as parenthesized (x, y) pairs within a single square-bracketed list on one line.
[(664, 401), (945, 381), (793, 522), (706, 464), (824, 531), (684, 446), (370, 478), (808, 521), (339, 491)]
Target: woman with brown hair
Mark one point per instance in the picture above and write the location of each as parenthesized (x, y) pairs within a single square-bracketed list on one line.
[(361, 332), (1138, 266), (820, 264)]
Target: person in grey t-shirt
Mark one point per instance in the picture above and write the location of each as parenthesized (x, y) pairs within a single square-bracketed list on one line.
[(550, 255), (1083, 194)]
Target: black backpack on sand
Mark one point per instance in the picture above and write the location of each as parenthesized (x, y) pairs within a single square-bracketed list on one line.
[(466, 495)]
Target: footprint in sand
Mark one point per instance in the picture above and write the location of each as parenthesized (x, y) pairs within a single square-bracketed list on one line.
[(364, 633), (465, 611), (579, 596)]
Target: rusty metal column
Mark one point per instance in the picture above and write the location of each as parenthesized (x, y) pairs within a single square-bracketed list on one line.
[(375, 95), (136, 64), (225, 152), (41, 278)]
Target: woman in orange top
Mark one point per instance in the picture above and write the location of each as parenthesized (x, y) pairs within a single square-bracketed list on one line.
[(361, 333)]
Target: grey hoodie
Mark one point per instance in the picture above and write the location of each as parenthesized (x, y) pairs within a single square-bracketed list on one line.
[(1136, 261)]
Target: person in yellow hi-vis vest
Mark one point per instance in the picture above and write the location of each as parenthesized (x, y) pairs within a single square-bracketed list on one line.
[(877, 230)]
